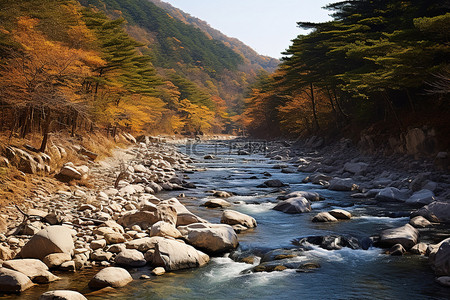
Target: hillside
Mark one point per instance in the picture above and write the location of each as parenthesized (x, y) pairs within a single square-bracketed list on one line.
[(111, 64), (251, 57)]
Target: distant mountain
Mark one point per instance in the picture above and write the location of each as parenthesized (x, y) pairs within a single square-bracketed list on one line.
[(251, 57)]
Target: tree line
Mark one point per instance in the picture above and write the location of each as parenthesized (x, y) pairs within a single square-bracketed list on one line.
[(374, 62)]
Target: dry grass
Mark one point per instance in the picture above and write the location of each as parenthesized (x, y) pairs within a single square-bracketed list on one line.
[(16, 187)]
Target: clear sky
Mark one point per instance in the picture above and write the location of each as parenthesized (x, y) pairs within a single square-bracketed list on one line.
[(268, 26)]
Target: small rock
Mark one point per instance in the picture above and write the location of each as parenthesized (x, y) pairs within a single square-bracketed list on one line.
[(293, 205), (232, 217), (158, 271)]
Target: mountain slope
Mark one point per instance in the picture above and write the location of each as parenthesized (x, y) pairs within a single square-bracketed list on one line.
[(251, 57)]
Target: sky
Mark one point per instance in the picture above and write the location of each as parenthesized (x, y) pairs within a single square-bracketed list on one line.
[(268, 26)]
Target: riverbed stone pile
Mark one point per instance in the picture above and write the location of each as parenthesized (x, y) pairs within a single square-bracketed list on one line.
[(120, 225)]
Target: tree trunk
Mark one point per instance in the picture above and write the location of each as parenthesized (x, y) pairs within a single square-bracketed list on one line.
[(313, 102), (332, 106), (45, 132), (338, 104)]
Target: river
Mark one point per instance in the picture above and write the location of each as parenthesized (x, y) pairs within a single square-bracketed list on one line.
[(344, 274)]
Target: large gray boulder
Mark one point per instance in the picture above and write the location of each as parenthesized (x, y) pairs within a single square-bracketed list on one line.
[(392, 194), (406, 235), (436, 211), (35, 269), (441, 263), (421, 198), (311, 196), (294, 205), (13, 282), (130, 258), (211, 238), (52, 239), (62, 295), (342, 184), (174, 255), (232, 217), (112, 276)]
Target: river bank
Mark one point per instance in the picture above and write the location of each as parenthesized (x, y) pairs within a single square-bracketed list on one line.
[(235, 169)]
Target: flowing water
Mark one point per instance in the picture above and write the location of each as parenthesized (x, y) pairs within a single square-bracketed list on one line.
[(344, 274)]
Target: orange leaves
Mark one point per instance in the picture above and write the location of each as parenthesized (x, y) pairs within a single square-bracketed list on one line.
[(47, 73)]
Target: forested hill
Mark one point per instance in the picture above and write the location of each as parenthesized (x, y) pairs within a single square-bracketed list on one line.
[(251, 58), (379, 68), (80, 65)]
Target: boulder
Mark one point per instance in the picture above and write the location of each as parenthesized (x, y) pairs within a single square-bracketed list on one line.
[(174, 255), (406, 235), (130, 258), (436, 211), (222, 194), (397, 250), (184, 216), (6, 253), (215, 203), (114, 238), (62, 295), (232, 217), (324, 217), (356, 168), (52, 239), (144, 244), (420, 222), (340, 214), (70, 172), (294, 205), (441, 264), (164, 229), (273, 183), (35, 269), (421, 198), (144, 219), (420, 249), (211, 238), (310, 196), (342, 184), (444, 281), (56, 259), (110, 277), (392, 194), (13, 282), (328, 242)]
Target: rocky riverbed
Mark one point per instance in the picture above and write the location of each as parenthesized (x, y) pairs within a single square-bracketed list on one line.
[(130, 222)]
